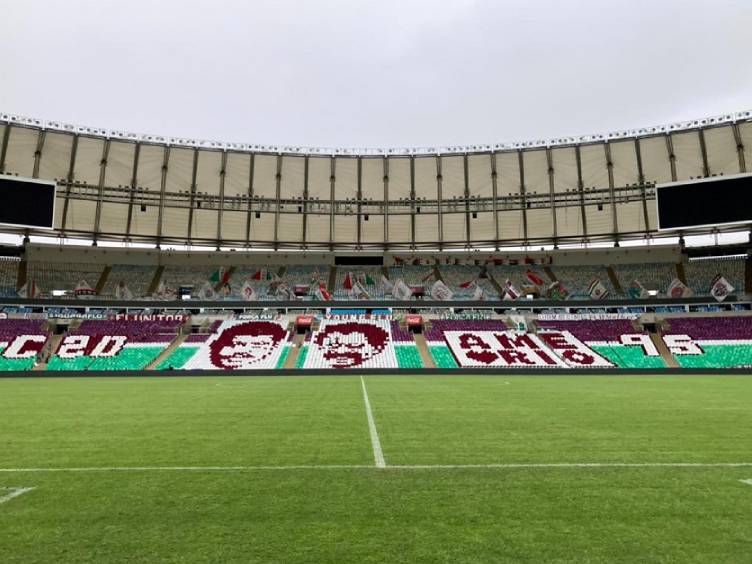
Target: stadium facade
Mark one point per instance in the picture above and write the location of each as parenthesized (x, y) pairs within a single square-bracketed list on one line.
[(118, 186)]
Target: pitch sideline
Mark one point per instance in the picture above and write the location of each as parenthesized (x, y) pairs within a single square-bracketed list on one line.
[(390, 467), (378, 454)]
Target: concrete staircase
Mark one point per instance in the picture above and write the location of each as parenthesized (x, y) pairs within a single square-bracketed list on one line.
[(176, 342), (425, 354), (292, 356), (666, 355)]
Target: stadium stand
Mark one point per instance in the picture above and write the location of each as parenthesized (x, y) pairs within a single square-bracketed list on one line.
[(135, 277), (463, 279), (351, 343), (114, 344), (63, 276), (617, 340), (576, 280), (710, 342), (21, 343), (701, 273), (653, 276), (8, 276)]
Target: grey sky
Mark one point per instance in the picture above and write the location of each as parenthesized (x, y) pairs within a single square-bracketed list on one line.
[(374, 73)]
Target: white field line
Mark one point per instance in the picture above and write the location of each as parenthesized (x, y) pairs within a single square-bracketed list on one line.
[(510, 466), (378, 454), (13, 492), (748, 482)]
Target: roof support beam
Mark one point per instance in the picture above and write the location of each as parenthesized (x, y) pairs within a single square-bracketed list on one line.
[(162, 188), (69, 182), (495, 198), (133, 187), (220, 212), (100, 189), (277, 197), (523, 197), (671, 156), (439, 182), (38, 152), (305, 202), (581, 191), (413, 203), (359, 207), (610, 167), (4, 148), (385, 170), (332, 182), (250, 201), (192, 198), (551, 192), (641, 179), (739, 147), (704, 152), (466, 181)]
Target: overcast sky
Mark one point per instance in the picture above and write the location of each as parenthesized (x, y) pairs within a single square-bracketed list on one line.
[(374, 73)]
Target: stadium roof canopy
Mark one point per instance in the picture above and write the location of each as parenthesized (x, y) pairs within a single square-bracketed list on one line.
[(122, 186)]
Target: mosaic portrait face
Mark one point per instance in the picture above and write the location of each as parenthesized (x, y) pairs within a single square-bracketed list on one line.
[(346, 345), (245, 345)]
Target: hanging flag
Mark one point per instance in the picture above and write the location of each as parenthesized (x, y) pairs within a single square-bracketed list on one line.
[(30, 290), (479, 294), (720, 289), (428, 276), (220, 277), (360, 292), (387, 284), (401, 291), (347, 284), (636, 290), (322, 293), (467, 284), (259, 274), (122, 292), (596, 290), (207, 292), (557, 291), (534, 278), (510, 292), (440, 291), (370, 281), (83, 289), (677, 289), (248, 291)]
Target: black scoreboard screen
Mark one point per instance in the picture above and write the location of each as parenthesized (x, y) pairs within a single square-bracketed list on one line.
[(27, 203), (704, 202)]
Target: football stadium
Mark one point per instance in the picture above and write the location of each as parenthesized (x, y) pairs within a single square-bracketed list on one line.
[(530, 351)]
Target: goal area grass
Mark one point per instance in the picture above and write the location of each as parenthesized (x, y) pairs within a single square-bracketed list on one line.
[(287, 469)]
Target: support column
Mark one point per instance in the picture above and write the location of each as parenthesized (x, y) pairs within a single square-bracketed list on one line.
[(305, 202), (133, 188), (641, 180), (4, 147), (41, 136), (704, 151), (413, 203), (495, 194), (100, 189), (466, 177), (192, 198), (220, 212), (739, 148), (250, 201), (278, 198), (69, 181), (385, 170), (332, 183), (359, 206), (440, 199), (581, 190), (162, 188), (552, 195), (610, 167)]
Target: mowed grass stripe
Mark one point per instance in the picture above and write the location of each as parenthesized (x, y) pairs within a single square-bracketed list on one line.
[(562, 419), (214, 421)]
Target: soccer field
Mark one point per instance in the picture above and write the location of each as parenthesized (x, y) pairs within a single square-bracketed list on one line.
[(438, 469)]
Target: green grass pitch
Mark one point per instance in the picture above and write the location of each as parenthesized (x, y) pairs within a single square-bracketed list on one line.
[(281, 469)]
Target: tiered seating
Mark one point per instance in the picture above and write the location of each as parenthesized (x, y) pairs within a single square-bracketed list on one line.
[(21, 342), (576, 280), (516, 275), (137, 279), (114, 345), (8, 276), (700, 274), (175, 276), (455, 275), (233, 344), (351, 343), (613, 339), (365, 275), (653, 276), (710, 342), (63, 276), (437, 343)]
